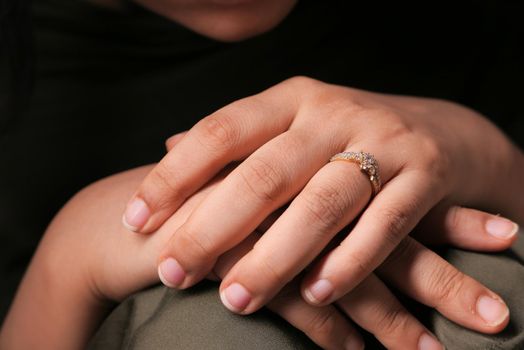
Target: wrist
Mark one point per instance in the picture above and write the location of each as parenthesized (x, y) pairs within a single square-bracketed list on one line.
[(53, 307), (501, 169)]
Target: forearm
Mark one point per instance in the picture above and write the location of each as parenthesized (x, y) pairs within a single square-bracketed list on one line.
[(59, 302), (53, 308), (85, 260)]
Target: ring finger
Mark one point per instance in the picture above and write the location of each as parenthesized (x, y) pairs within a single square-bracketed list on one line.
[(331, 200)]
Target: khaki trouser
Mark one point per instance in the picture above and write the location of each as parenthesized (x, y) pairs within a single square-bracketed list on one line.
[(160, 318)]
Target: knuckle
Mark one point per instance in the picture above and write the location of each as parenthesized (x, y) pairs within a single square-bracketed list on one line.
[(166, 180), (432, 149), (398, 128), (393, 121), (304, 88), (218, 132), (392, 322), (301, 81), (396, 221), (435, 159), (269, 272), (446, 284), (263, 180), (359, 264), (322, 325), (326, 206), (193, 249)]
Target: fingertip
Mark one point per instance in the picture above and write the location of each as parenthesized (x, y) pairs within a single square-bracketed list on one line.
[(127, 226), (171, 273), (501, 228), (318, 292), (494, 312), (474, 229), (501, 233), (235, 298), (429, 342), (136, 215)]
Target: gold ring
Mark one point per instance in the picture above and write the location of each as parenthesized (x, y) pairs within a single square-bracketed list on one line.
[(367, 163)]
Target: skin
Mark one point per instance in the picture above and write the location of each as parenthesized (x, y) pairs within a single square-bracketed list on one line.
[(427, 151), (224, 20), (87, 260)]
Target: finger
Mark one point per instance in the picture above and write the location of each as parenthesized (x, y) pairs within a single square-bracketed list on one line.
[(325, 325), (331, 199), (173, 140), (261, 184), (229, 134), (373, 307), (391, 215), (426, 277), (327, 203), (466, 228), (227, 260)]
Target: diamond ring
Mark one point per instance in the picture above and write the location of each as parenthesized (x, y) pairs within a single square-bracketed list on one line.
[(367, 163)]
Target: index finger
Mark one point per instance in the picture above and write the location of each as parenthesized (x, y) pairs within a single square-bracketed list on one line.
[(229, 134)]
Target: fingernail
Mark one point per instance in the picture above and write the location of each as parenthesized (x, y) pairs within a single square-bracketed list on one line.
[(501, 228), (428, 342), (319, 291), (493, 311), (235, 297), (171, 273), (136, 215), (353, 343)]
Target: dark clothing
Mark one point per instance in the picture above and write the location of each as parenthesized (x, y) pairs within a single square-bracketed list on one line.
[(111, 86)]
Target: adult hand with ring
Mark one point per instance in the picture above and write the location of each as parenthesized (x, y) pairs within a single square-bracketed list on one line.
[(429, 151), (411, 269)]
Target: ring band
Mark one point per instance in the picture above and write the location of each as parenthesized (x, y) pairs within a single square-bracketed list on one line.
[(367, 163)]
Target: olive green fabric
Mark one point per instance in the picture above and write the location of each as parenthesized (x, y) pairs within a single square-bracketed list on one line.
[(161, 318)]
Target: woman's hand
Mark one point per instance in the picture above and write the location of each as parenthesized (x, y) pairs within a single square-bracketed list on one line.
[(414, 270), (429, 151), (87, 259)]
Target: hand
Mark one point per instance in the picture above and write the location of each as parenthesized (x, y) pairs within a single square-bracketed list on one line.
[(411, 268), (415, 271), (103, 262), (429, 151)]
